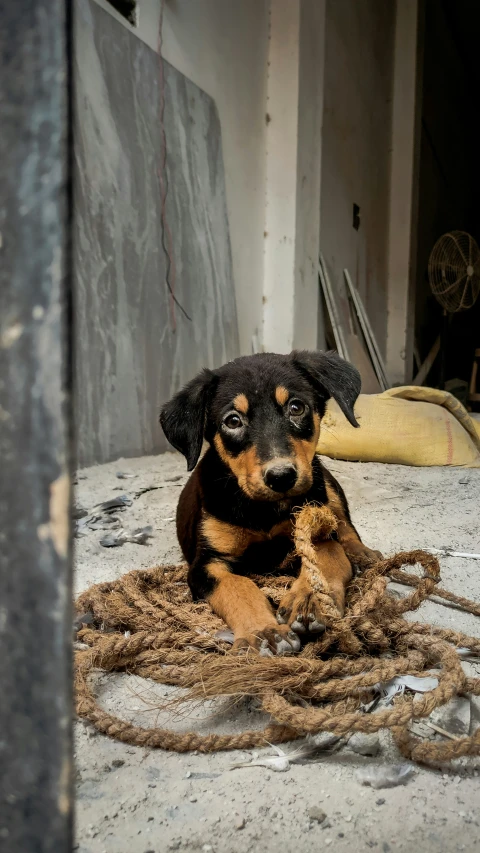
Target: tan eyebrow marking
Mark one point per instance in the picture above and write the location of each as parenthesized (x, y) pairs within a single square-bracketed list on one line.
[(241, 403), (281, 395)]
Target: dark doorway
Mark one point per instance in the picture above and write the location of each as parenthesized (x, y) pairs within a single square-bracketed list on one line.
[(448, 177)]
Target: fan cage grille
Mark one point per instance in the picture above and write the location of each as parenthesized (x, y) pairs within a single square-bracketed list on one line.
[(454, 271)]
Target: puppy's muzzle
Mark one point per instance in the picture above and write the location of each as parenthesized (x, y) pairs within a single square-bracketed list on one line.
[(280, 476)]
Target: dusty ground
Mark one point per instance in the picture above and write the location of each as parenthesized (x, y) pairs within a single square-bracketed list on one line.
[(133, 801)]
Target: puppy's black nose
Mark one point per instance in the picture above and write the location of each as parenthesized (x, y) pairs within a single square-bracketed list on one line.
[(281, 478)]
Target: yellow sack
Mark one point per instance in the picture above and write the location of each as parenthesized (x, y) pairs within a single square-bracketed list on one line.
[(410, 425)]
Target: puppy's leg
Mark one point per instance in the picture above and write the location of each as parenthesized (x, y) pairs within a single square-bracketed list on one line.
[(302, 608), (242, 605), (359, 554)]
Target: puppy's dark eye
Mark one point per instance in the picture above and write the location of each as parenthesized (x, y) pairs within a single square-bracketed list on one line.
[(232, 421), (296, 408)]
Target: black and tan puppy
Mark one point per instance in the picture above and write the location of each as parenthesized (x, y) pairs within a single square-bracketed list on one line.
[(261, 416)]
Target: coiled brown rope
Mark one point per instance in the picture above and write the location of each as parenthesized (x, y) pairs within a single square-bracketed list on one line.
[(173, 641)]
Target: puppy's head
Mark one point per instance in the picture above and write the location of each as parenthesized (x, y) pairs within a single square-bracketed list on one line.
[(262, 415)]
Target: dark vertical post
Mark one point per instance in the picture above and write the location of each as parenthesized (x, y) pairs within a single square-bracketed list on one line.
[(35, 427)]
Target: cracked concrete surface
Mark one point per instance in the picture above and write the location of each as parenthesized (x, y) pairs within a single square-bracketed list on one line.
[(130, 800)]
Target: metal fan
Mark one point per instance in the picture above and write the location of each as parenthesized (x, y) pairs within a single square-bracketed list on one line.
[(454, 271), (454, 276)]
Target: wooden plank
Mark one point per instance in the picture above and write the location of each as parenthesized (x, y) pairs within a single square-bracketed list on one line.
[(361, 359), (427, 364), (35, 429), (332, 309), (416, 355), (349, 344), (367, 331), (473, 396)]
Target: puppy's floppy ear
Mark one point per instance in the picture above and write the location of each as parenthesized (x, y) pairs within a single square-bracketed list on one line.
[(183, 419), (331, 376)]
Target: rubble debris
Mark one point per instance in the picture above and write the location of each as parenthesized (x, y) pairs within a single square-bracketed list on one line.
[(140, 536), (78, 512), (317, 814), (364, 744), (83, 620), (454, 717), (385, 776), (312, 748), (397, 686), (119, 503), (226, 636)]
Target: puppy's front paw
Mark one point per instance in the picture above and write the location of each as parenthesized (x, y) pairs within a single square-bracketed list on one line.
[(360, 556), (303, 610), (268, 642)]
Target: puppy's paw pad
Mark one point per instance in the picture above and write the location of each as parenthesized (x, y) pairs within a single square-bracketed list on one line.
[(269, 642), (298, 625)]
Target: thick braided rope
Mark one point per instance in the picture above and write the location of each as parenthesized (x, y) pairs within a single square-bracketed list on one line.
[(151, 628)]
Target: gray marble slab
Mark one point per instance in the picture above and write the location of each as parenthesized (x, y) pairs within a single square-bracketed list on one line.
[(128, 357)]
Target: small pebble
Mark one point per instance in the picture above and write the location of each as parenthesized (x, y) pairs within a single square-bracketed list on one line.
[(193, 799), (365, 744), (315, 813), (380, 802), (118, 762), (240, 823)]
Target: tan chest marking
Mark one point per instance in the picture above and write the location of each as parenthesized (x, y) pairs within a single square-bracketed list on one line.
[(233, 541), (335, 503)]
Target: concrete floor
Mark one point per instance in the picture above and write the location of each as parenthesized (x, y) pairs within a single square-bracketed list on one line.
[(130, 800)]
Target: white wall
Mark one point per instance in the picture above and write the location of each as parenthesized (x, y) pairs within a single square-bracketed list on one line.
[(222, 46), (292, 214), (259, 57), (403, 195), (356, 141)]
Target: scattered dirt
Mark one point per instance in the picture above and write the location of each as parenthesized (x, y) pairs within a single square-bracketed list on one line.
[(133, 801)]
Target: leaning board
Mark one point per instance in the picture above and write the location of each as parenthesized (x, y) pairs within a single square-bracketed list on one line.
[(128, 359)]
